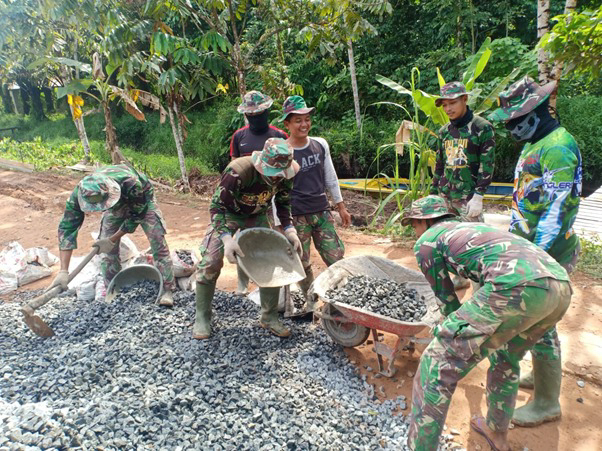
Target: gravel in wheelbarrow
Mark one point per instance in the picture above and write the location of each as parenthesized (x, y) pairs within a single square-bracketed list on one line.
[(382, 296)]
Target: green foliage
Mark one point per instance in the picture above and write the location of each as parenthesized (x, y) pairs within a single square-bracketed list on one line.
[(590, 258), (42, 155)]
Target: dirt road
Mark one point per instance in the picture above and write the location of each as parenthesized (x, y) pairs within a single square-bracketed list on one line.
[(31, 206)]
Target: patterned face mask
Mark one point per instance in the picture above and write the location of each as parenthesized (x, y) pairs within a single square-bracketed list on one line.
[(522, 128)]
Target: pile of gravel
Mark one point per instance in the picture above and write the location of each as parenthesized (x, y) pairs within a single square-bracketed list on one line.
[(185, 256), (382, 296), (127, 374)]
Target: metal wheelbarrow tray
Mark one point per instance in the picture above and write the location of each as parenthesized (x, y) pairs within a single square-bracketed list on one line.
[(351, 326)]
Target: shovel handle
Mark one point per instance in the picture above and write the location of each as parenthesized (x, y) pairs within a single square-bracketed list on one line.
[(38, 302)]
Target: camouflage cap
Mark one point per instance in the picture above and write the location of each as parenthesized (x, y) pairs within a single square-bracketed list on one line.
[(521, 97), (426, 208), (450, 91), (254, 102), (276, 159), (294, 105), (97, 192)]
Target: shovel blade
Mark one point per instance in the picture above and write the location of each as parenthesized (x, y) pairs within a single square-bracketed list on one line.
[(38, 326)]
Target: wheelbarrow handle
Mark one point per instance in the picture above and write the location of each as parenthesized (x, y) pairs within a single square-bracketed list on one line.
[(39, 301)]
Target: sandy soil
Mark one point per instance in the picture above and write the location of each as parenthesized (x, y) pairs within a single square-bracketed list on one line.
[(31, 207)]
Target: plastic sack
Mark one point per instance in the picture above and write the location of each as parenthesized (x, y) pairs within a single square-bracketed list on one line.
[(184, 261), (42, 256), (186, 283), (14, 265), (32, 272), (8, 282), (85, 282)]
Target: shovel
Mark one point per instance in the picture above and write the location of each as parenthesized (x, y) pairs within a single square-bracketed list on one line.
[(34, 322)]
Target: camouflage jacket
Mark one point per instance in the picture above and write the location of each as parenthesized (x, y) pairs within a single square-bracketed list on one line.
[(483, 254), (243, 192), (136, 196), (464, 160), (547, 186)]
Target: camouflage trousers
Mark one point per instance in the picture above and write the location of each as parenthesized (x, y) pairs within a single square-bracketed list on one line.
[(500, 325), (460, 205), (320, 228), (212, 248), (548, 346), (154, 229)]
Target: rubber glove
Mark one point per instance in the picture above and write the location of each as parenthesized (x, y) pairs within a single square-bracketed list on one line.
[(231, 248), (61, 280), (474, 207), (104, 245), (293, 238)]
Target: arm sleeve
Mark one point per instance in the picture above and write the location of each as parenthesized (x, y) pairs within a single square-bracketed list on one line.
[(486, 159), (282, 200), (558, 165), (234, 150), (439, 166), (330, 176), (73, 218), (432, 264), (138, 198), (224, 200)]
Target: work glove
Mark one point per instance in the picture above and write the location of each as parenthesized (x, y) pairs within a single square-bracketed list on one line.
[(231, 248), (61, 280), (474, 207), (104, 245), (293, 238)]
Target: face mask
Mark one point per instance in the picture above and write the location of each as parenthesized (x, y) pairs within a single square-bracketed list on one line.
[(523, 128), (259, 122)]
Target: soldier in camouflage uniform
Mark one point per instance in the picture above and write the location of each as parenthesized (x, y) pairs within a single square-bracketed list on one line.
[(465, 154), (310, 206), (241, 201), (523, 293), (250, 138), (127, 199), (545, 201)]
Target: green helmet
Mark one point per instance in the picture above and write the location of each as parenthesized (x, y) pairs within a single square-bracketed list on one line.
[(294, 105), (97, 192), (276, 159), (450, 91), (427, 208), (521, 98), (254, 102)]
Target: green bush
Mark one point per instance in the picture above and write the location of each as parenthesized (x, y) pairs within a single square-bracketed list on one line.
[(42, 155), (590, 259)]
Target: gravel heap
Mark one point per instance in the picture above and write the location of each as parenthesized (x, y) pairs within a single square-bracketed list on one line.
[(382, 296), (127, 374), (185, 256)]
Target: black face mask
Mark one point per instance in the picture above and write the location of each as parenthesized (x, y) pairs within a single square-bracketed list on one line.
[(258, 123)]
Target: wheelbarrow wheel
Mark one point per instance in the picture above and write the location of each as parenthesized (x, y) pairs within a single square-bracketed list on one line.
[(344, 333)]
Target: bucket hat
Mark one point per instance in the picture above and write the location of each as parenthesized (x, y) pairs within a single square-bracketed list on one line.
[(426, 208), (521, 97), (294, 105), (450, 91), (276, 159), (97, 192), (254, 102)]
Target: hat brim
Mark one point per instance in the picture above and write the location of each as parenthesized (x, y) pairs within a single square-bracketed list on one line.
[(299, 111), (242, 108), (406, 220), (114, 196), (502, 114), (439, 100), (270, 171)]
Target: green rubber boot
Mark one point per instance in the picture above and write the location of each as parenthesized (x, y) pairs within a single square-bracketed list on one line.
[(544, 407), (243, 281), (202, 321), (526, 380), (269, 312)]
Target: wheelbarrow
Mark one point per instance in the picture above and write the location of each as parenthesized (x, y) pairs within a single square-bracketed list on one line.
[(351, 326), (131, 275)]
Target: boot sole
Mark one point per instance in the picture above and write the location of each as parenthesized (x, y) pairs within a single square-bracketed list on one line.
[(536, 423), (265, 326), (200, 337)]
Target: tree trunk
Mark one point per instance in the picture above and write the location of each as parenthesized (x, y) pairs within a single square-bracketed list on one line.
[(111, 137), (6, 99), (25, 99), (543, 18), (356, 97), (237, 53), (36, 103), (79, 123), (172, 109), (48, 99), (569, 7)]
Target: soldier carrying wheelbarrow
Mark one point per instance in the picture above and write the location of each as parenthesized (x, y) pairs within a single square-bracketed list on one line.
[(523, 292)]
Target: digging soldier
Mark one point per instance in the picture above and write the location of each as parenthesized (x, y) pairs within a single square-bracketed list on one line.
[(241, 201), (127, 200), (547, 187), (465, 154), (523, 292), (310, 206), (250, 138)]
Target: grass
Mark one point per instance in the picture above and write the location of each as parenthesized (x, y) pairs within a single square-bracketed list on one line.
[(590, 259)]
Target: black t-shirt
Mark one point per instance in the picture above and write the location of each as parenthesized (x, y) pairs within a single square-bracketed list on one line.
[(244, 142), (308, 195)]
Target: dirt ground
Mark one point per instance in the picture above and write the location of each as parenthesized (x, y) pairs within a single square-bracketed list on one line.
[(31, 206)]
